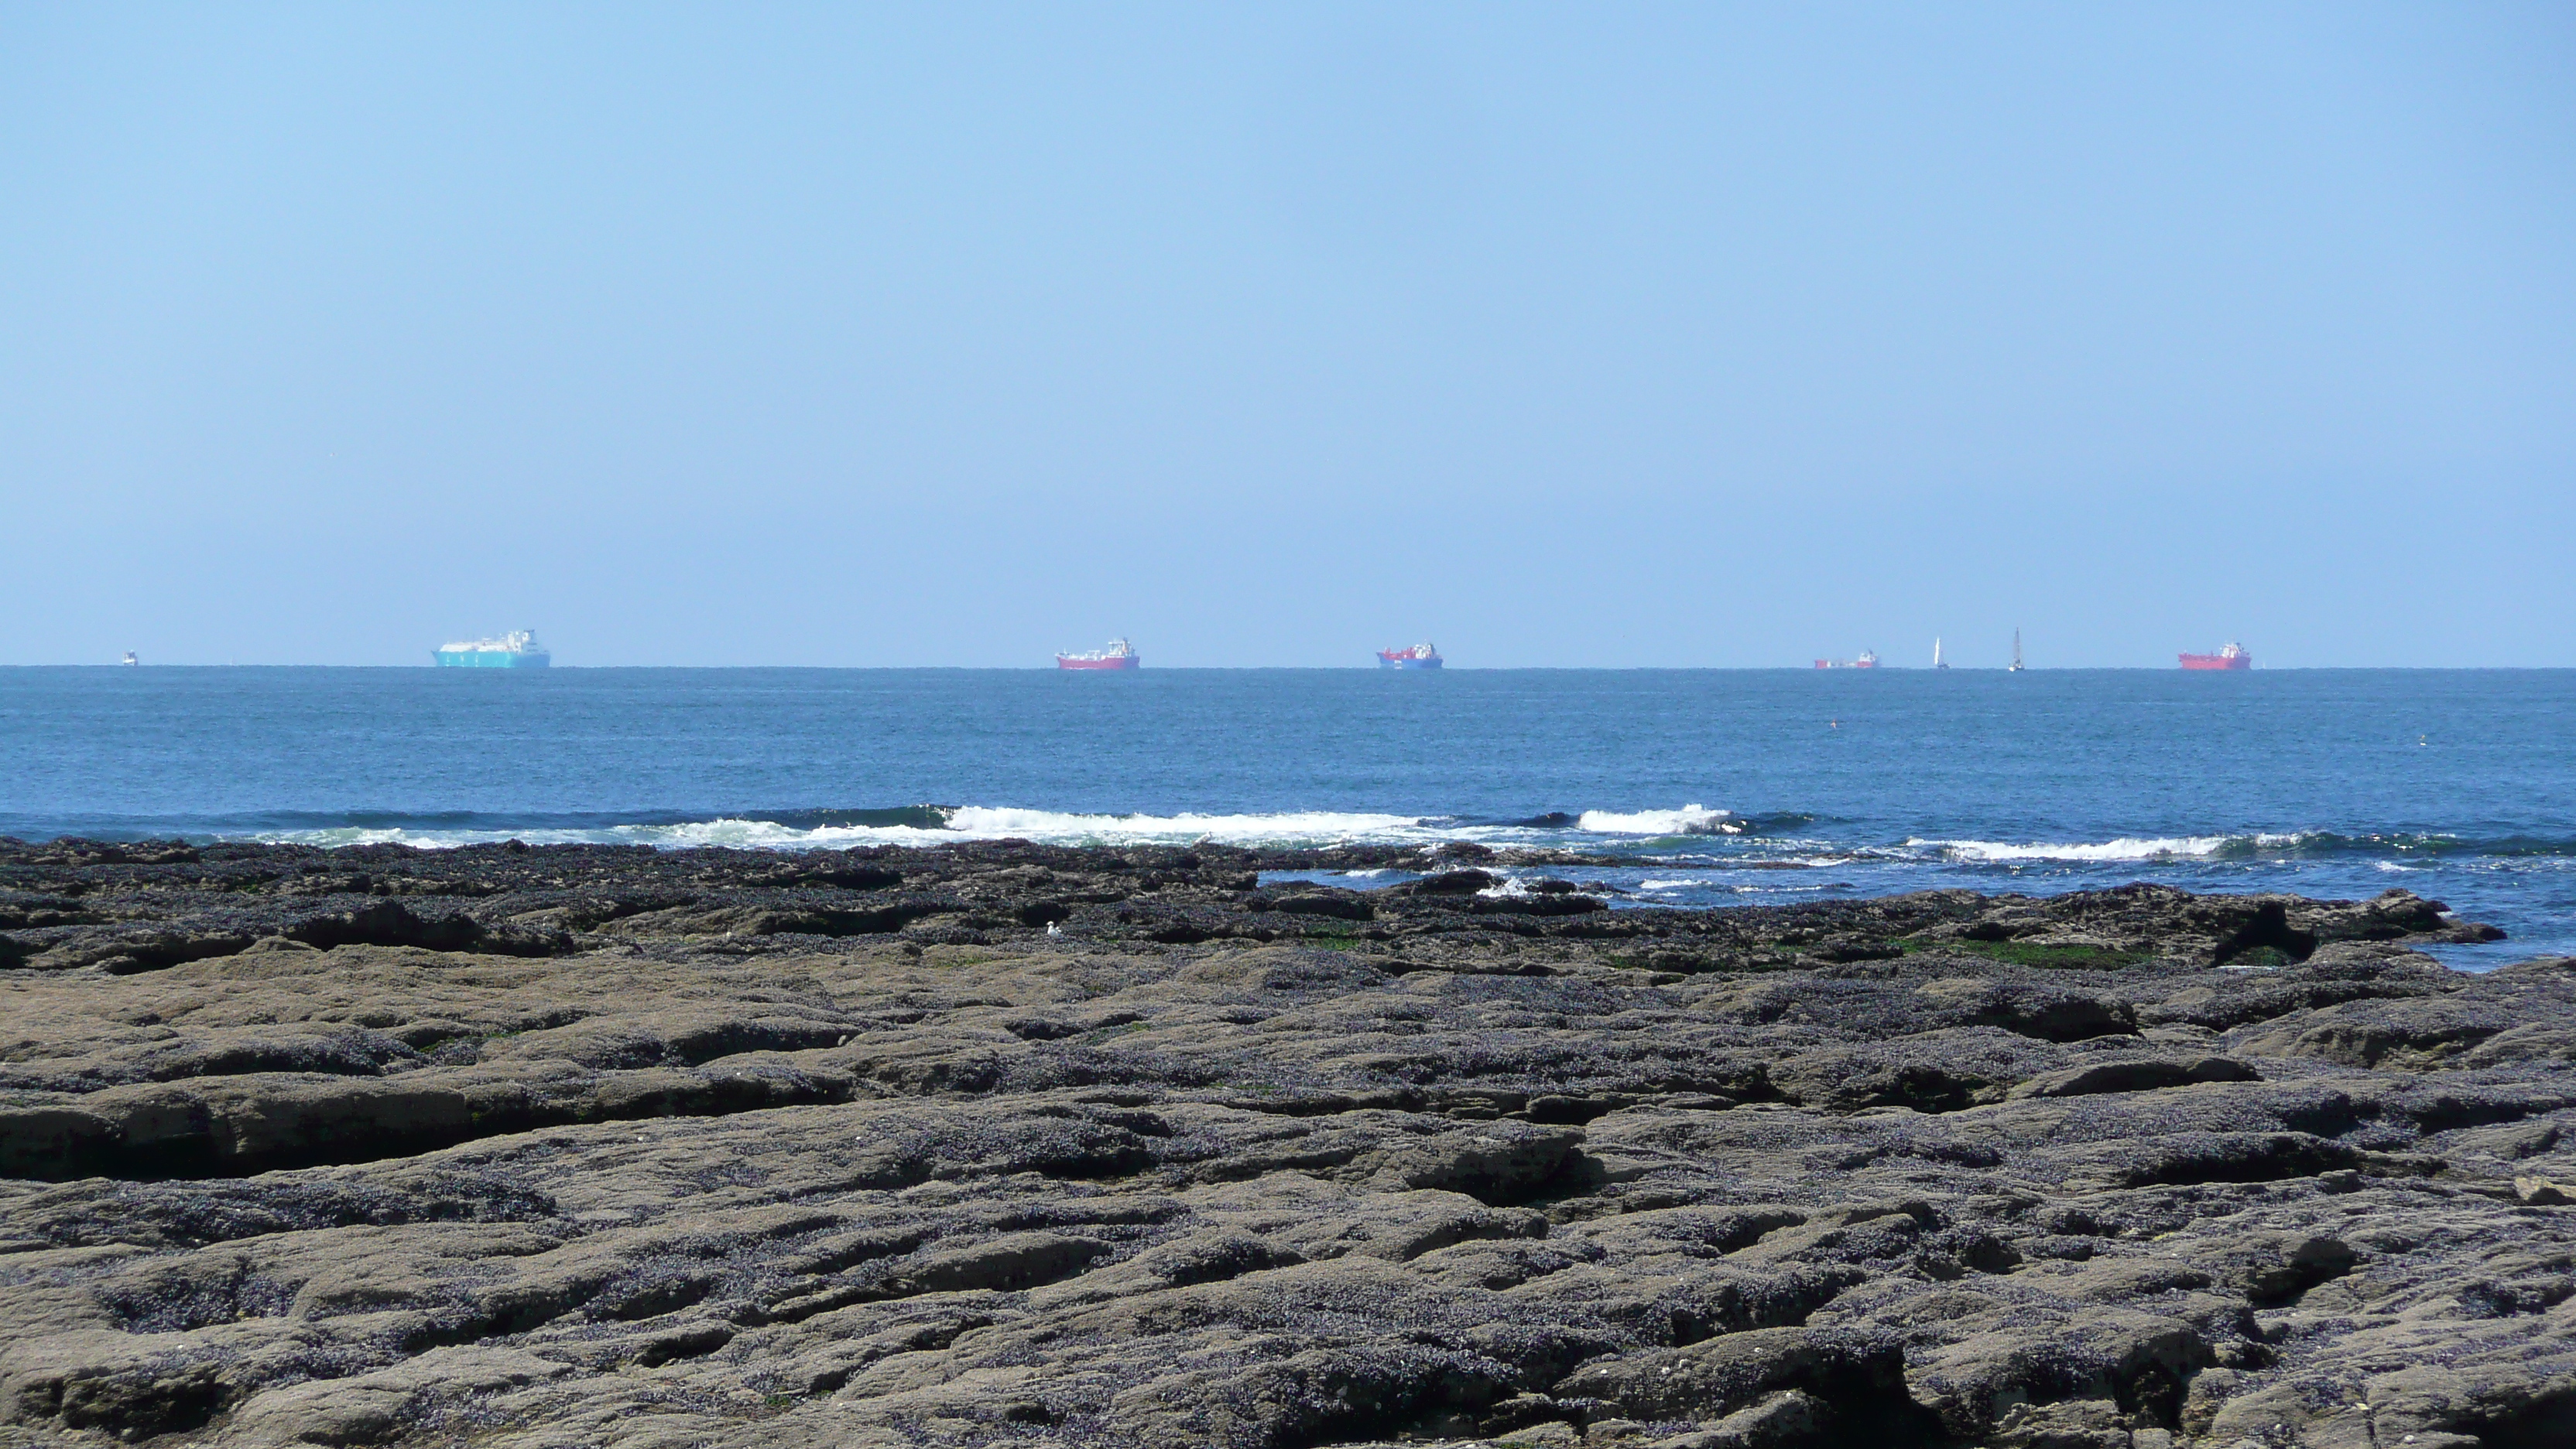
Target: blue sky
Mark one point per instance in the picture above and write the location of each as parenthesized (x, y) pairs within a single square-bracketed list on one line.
[(1632, 335)]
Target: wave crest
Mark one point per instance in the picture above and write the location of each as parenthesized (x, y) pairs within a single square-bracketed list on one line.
[(919, 825), (1688, 820), (1762, 841), (2170, 847)]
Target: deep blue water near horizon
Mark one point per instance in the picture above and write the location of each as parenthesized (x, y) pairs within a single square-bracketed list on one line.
[(1711, 786)]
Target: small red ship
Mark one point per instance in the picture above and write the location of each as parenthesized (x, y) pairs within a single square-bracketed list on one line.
[(1119, 655), (1868, 660), (2231, 657), (1420, 656)]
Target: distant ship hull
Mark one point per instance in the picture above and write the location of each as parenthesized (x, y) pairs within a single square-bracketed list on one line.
[(1425, 655), (2231, 657), (1119, 655), (517, 649)]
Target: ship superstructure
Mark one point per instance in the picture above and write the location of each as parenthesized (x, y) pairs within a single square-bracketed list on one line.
[(2231, 657), (517, 649), (1420, 656), (1119, 655)]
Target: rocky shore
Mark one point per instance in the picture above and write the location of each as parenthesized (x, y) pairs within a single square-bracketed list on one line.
[(1006, 1144)]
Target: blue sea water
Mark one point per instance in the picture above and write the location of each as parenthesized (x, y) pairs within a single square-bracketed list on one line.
[(1711, 787)]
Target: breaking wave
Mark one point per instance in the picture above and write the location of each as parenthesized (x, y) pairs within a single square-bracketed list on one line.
[(2302, 844), (2162, 848), (1688, 820), (950, 824), (1688, 839), (918, 825)]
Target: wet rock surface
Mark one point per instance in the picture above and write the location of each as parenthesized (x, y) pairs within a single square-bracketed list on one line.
[(1004, 1144)]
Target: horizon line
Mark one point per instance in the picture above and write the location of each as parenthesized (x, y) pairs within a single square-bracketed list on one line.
[(1361, 668)]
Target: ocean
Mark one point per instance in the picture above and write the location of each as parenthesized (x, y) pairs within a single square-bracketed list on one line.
[(1709, 787)]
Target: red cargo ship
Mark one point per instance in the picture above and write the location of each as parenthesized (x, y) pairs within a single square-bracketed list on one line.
[(1420, 656), (1868, 660), (2231, 657), (1119, 655)]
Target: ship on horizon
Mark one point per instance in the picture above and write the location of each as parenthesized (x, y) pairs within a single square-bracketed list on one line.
[(517, 649), (1119, 655), (1868, 660), (2231, 657), (1420, 656)]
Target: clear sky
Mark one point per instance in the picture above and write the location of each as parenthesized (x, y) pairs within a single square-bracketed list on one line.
[(1560, 335)]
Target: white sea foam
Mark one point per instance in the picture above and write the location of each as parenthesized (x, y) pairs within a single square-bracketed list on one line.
[(1051, 827), (2125, 849), (765, 835), (1682, 884), (352, 835), (1688, 820), (968, 823), (2170, 847), (1290, 828), (1293, 827)]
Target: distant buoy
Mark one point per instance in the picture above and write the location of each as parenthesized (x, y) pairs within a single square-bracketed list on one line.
[(1833, 724)]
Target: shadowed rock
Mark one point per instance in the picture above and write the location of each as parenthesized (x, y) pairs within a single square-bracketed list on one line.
[(1005, 1144)]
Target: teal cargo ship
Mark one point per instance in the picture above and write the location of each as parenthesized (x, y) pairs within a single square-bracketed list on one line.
[(516, 650)]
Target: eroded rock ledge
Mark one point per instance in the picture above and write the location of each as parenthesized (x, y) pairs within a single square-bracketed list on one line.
[(1013, 1145)]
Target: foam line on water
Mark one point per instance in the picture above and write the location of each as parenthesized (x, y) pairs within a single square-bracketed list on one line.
[(825, 830), (1301, 826), (965, 823), (1689, 820), (2126, 848), (1734, 841)]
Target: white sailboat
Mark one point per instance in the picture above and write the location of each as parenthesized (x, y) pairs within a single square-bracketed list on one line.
[(2016, 664), (1936, 653)]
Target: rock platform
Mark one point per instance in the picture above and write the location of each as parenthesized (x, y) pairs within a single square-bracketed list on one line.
[(1013, 1145)]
